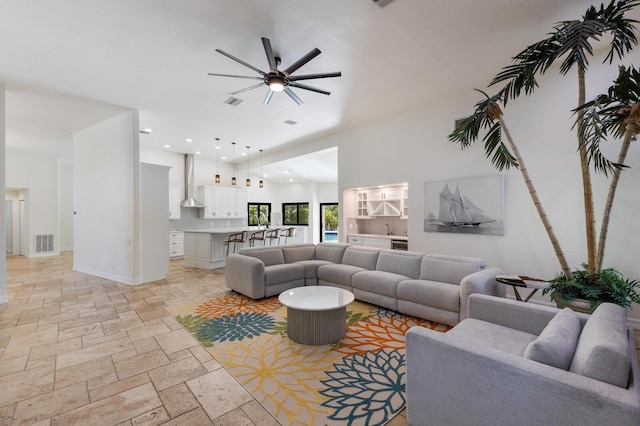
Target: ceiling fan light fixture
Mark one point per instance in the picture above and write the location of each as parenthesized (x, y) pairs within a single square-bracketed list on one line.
[(276, 86)]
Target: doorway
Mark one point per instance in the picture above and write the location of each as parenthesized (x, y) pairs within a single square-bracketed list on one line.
[(329, 222)]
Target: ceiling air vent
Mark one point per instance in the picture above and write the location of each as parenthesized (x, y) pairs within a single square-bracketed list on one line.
[(381, 3), (233, 101), (290, 122)]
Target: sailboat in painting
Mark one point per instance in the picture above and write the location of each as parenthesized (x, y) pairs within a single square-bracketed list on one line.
[(457, 210)]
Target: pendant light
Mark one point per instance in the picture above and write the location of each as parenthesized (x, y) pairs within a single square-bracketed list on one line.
[(217, 160), (233, 163), (261, 183), (248, 182)]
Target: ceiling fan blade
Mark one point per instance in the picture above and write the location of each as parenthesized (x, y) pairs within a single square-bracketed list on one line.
[(305, 87), (241, 62), (293, 96), (300, 62), (235, 76), (312, 76), (269, 52), (247, 88), (268, 97)]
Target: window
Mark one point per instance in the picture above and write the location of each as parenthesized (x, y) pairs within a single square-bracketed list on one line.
[(259, 214), (295, 213)]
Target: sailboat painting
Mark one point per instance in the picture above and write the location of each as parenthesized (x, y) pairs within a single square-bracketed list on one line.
[(472, 205)]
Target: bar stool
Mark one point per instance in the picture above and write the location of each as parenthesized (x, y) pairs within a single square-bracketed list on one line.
[(273, 235), (288, 233), (256, 236), (235, 239)]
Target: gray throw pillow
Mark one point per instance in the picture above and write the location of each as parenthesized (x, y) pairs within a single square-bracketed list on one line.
[(557, 343)]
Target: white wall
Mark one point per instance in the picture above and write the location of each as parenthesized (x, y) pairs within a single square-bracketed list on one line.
[(3, 236), (105, 159), (65, 202), (413, 148), (38, 173)]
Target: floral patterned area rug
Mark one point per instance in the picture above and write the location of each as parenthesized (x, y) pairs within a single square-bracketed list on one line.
[(359, 380)]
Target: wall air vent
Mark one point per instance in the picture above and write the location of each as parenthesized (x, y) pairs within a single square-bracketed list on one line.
[(233, 101), (44, 243), (381, 3), (290, 122)]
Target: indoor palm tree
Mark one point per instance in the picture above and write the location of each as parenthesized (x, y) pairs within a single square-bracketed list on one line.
[(570, 41)]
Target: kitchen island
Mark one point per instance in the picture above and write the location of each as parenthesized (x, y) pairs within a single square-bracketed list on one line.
[(207, 248)]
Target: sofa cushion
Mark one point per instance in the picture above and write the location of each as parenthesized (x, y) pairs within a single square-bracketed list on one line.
[(298, 252), (557, 343), (277, 274), (431, 293), (363, 257), (379, 282), (332, 252), (338, 274), (602, 352), (398, 262), (311, 267), (446, 271), (269, 256), (476, 332)]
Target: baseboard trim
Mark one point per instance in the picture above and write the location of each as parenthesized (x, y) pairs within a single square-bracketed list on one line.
[(106, 275)]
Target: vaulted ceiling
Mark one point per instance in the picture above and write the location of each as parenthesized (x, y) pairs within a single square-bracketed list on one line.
[(67, 64)]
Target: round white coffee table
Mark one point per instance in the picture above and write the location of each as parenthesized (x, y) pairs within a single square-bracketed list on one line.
[(316, 315)]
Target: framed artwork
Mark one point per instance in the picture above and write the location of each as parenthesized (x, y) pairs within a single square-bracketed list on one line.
[(473, 205)]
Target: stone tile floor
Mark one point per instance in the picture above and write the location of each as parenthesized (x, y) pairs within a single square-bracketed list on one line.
[(80, 350)]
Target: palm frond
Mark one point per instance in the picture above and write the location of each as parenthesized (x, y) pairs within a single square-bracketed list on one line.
[(607, 115), (500, 155)]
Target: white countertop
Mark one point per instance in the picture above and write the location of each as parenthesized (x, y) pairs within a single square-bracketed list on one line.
[(388, 237), (233, 230)]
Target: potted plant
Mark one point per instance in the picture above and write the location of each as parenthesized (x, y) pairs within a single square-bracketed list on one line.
[(615, 114), (584, 291)]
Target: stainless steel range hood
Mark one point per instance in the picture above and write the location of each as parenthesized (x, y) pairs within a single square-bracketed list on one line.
[(189, 184)]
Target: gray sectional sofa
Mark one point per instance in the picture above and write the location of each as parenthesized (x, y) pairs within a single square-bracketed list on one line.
[(430, 286), (514, 363)]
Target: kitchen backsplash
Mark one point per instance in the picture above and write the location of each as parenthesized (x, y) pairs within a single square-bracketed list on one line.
[(378, 225)]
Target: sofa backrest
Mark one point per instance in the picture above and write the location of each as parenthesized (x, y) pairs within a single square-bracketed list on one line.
[(477, 260), (602, 352), (448, 269), (297, 252), (332, 252), (268, 255), (363, 257), (400, 262)]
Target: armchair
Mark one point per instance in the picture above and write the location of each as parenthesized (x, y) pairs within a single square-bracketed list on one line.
[(482, 373)]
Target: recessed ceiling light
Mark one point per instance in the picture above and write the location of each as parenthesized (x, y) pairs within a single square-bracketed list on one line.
[(265, 175), (244, 154), (290, 180), (224, 158), (189, 140), (197, 152), (286, 171), (167, 146), (146, 131)]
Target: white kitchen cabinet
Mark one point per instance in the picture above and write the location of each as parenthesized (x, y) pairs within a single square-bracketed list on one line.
[(405, 203), (387, 193), (175, 197), (205, 250), (362, 204), (353, 239), (384, 243), (223, 203), (176, 244)]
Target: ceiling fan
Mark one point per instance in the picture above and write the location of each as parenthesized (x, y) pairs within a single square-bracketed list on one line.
[(277, 80)]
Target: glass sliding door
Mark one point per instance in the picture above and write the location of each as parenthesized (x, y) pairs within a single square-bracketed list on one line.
[(329, 222)]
